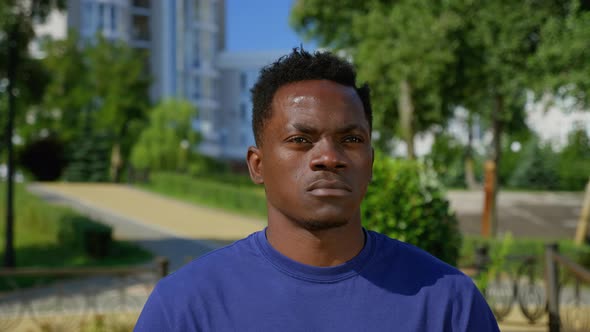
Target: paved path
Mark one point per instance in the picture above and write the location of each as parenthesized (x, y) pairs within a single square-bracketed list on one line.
[(181, 231), (164, 226)]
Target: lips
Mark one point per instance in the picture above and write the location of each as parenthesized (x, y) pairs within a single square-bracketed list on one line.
[(329, 188)]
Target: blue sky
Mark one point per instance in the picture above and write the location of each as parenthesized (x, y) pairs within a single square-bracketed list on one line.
[(260, 25)]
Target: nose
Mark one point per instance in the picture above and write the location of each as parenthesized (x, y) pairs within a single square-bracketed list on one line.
[(327, 156)]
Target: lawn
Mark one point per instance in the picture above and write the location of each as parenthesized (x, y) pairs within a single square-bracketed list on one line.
[(231, 192), (36, 228)]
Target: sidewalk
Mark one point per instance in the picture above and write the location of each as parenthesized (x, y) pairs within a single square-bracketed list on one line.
[(166, 227), (174, 229)]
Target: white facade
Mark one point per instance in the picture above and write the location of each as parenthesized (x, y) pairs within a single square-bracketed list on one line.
[(183, 39), (239, 71)]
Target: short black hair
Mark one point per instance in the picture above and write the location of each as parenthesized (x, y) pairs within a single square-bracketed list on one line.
[(301, 65)]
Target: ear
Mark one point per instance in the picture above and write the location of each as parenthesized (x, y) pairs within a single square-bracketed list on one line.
[(372, 162), (254, 161)]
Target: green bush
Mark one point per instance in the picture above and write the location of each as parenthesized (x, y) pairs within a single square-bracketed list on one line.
[(202, 165), (44, 158), (574, 161), (79, 232), (168, 142), (405, 201), (238, 197)]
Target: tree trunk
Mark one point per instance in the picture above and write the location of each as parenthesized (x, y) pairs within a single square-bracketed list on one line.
[(582, 229), (469, 170), (497, 126), (116, 163), (117, 160), (12, 65), (406, 114)]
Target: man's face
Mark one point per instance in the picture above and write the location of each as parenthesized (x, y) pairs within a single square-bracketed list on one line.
[(315, 158)]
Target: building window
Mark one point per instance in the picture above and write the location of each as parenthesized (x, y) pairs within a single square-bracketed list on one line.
[(243, 81), (87, 19), (196, 88), (141, 3), (100, 16), (243, 112), (197, 9), (141, 28), (113, 17), (196, 54)]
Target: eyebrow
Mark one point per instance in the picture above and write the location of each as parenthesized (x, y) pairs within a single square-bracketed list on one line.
[(306, 129), (349, 128)]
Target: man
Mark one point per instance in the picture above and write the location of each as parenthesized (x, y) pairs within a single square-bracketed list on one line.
[(314, 268)]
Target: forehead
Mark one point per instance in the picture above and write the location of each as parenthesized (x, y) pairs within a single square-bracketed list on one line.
[(317, 101)]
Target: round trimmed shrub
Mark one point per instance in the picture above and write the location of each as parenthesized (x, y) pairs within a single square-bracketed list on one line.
[(44, 158), (405, 201)]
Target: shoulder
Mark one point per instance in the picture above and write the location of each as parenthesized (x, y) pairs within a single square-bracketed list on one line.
[(417, 266), (406, 269), (210, 268)]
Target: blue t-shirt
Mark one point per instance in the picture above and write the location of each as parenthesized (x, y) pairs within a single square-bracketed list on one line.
[(249, 286)]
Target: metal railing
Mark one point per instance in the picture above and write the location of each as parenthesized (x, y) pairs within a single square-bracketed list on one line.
[(568, 290), (562, 294), (518, 284), (65, 299)]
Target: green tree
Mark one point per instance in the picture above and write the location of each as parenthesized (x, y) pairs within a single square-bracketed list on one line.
[(169, 140), (402, 49), (104, 84), (563, 72), (503, 36), (561, 64), (122, 88), (68, 96), (423, 58), (16, 32)]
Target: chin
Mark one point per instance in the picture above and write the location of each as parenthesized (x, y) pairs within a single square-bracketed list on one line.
[(322, 225)]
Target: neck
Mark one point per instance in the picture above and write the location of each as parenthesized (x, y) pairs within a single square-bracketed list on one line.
[(323, 248)]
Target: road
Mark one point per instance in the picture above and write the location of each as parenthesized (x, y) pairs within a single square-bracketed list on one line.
[(549, 215)]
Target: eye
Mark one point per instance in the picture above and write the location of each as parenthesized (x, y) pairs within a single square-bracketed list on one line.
[(353, 139), (299, 140)]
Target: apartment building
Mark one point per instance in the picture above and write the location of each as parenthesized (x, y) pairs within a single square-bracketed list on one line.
[(183, 39), (238, 72)]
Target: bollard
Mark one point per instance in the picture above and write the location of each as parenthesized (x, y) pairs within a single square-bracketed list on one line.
[(487, 218), (552, 285), (162, 266), (482, 258)]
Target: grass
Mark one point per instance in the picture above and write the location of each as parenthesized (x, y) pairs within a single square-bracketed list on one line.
[(235, 193), (36, 227)]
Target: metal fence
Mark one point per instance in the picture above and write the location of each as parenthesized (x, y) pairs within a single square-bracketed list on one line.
[(568, 290), (561, 297), (65, 299)]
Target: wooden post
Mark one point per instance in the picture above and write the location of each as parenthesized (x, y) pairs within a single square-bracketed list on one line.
[(552, 285), (582, 229), (162, 266), (489, 187)]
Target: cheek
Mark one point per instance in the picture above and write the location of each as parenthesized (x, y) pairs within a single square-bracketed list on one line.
[(284, 172)]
